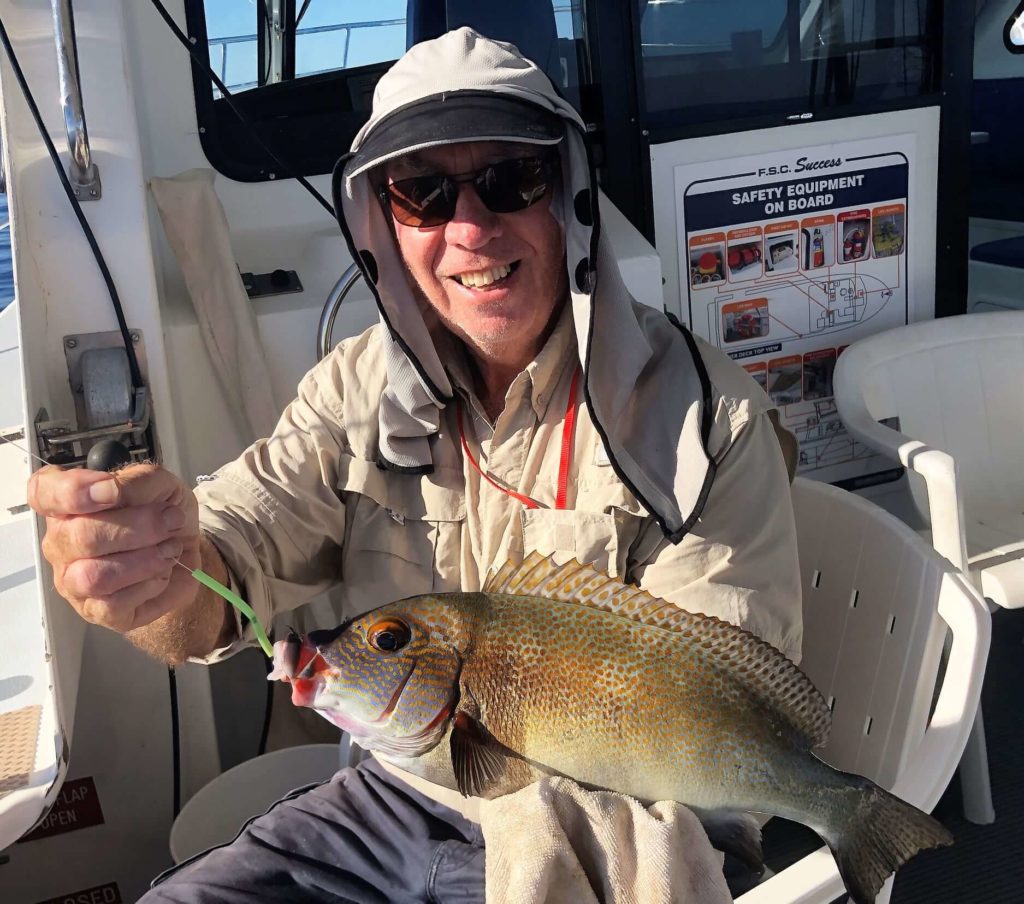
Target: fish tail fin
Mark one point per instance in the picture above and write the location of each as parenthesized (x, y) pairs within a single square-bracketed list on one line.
[(880, 835)]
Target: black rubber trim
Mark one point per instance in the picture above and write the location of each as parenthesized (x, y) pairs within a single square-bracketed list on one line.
[(33, 108), (673, 536), (706, 419), (707, 414), (207, 71)]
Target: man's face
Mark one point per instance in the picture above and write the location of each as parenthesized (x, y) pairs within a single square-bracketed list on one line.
[(504, 321)]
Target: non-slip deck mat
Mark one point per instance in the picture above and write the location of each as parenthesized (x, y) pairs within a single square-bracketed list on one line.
[(985, 865), (19, 737)]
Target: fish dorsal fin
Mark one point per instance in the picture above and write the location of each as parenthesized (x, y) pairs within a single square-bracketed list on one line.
[(772, 677)]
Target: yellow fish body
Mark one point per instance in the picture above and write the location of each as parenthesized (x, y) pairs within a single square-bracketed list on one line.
[(562, 670)]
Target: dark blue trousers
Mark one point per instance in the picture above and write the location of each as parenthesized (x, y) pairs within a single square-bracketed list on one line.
[(364, 837)]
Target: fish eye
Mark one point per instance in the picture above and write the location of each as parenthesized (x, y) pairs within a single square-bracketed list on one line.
[(389, 635)]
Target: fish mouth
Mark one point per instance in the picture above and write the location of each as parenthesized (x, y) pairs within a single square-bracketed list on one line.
[(355, 726), (373, 735)]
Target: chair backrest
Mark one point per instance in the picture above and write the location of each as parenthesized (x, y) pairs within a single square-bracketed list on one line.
[(873, 640), (955, 384)]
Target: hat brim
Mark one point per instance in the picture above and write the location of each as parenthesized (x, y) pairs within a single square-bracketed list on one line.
[(452, 118)]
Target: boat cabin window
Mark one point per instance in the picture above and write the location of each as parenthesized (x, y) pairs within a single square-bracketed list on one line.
[(253, 44), (304, 71), (997, 127), (713, 60)]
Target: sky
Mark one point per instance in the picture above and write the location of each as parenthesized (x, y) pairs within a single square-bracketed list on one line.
[(314, 52), (319, 52)]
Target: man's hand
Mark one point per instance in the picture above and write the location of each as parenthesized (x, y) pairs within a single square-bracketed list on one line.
[(112, 540)]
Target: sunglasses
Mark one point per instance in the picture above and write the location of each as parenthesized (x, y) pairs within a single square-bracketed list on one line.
[(504, 187)]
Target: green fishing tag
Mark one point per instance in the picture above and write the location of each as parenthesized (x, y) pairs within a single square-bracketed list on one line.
[(240, 604)]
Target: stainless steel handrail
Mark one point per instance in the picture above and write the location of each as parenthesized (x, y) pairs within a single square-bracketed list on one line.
[(85, 177), (327, 316)]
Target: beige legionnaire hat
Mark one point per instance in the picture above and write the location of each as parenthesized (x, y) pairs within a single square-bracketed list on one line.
[(644, 382)]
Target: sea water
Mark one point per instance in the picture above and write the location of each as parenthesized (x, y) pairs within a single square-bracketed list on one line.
[(6, 273)]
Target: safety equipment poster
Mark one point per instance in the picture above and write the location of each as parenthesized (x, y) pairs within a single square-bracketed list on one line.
[(785, 258)]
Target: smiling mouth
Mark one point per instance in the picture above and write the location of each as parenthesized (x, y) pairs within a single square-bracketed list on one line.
[(486, 279)]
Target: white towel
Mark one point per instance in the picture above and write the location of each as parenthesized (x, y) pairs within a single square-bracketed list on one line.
[(197, 230), (555, 843)]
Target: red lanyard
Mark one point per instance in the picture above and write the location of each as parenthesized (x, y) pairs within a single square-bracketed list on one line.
[(568, 430)]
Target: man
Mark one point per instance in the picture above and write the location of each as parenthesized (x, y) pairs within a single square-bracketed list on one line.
[(513, 399)]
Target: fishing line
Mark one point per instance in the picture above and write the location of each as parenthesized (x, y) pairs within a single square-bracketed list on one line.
[(133, 363), (212, 583), (172, 682), (235, 600), (21, 448), (204, 67), (122, 325)]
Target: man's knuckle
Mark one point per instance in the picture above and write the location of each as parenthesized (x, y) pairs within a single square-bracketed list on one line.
[(84, 577), (93, 611), (60, 585), (79, 534), (47, 546), (32, 492), (106, 613)]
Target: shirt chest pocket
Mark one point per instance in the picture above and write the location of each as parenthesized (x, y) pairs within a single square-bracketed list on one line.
[(402, 537), (601, 539)]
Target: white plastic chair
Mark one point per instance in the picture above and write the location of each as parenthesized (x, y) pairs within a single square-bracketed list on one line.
[(218, 810), (879, 603), (955, 384)]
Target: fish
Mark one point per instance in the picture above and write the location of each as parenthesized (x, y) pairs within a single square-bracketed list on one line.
[(558, 669)]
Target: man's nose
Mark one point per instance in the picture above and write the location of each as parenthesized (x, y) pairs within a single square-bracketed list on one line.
[(473, 225)]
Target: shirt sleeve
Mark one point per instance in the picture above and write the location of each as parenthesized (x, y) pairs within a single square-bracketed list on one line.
[(275, 513), (739, 562)]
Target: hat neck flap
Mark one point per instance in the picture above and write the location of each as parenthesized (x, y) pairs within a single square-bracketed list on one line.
[(632, 355)]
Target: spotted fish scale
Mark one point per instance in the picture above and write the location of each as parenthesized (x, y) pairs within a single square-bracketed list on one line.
[(557, 669)]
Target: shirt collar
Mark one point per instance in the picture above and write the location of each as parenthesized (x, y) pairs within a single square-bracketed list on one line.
[(543, 372), (546, 369)]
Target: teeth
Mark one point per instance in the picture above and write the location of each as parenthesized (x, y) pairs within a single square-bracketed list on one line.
[(482, 278)]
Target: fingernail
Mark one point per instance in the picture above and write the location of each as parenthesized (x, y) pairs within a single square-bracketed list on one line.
[(170, 549), (104, 492), (173, 517)]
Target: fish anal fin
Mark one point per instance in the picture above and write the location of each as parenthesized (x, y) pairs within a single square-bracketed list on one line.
[(735, 833), (765, 671)]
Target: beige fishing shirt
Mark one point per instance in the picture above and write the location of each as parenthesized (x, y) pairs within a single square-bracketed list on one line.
[(309, 509)]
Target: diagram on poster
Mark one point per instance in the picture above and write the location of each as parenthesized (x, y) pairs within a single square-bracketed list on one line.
[(787, 258)]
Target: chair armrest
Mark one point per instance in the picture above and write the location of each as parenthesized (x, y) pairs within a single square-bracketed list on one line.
[(938, 468), (810, 880), (929, 767)]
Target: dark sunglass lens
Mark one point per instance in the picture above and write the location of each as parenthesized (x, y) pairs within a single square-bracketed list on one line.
[(513, 184), (422, 200)]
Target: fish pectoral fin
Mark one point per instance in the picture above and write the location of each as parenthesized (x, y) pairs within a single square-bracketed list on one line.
[(735, 833), (478, 760)]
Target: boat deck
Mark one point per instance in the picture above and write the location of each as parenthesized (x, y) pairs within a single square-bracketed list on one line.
[(986, 863)]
